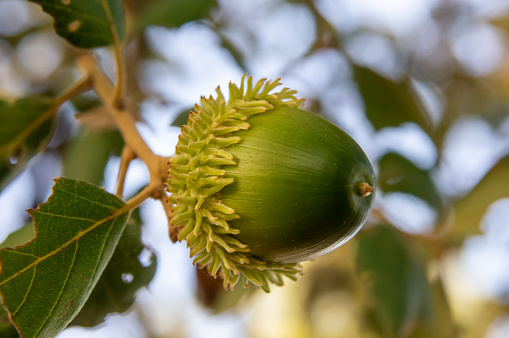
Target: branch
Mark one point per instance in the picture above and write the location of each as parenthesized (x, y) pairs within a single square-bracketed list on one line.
[(123, 118), (75, 89), (151, 190), (127, 156), (119, 89)]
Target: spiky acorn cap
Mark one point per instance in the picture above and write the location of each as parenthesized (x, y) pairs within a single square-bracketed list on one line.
[(221, 168)]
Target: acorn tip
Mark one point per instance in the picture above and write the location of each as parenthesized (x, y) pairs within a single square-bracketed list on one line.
[(365, 189)]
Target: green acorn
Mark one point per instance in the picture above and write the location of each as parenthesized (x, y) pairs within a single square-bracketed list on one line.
[(259, 185)]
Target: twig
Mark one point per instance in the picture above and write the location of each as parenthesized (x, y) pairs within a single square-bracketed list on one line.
[(124, 119), (127, 156), (119, 90), (150, 190), (326, 35), (80, 86)]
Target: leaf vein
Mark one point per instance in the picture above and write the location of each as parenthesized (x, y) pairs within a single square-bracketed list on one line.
[(19, 252), (81, 197), (100, 255), (61, 291), (124, 209), (66, 217), (27, 292)]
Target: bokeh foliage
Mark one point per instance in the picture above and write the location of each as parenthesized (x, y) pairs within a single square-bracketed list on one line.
[(392, 281)]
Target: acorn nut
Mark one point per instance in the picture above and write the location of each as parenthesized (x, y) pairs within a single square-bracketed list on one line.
[(259, 185)]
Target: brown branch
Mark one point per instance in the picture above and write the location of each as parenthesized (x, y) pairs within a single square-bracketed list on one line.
[(127, 156), (123, 118)]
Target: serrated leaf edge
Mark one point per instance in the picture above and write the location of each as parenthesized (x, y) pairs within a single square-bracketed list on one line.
[(124, 209)]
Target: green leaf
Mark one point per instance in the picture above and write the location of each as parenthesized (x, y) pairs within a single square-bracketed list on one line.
[(397, 174), (87, 154), (440, 323), (181, 118), (87, 23), (173, 13), (388, 103), (26, 126), (45, 283), (469, 211), (125, 274), (399, 290)]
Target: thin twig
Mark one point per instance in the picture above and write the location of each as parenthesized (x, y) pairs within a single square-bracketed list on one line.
[(119, 90), (80, 86), (326, 35), (127, 156), (121, 71), (150, 190)]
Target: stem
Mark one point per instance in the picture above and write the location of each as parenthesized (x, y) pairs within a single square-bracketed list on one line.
[(124, 119), (326, 35), (80, 86), (121, 71), (147, 192), (135, 145), (119, 89), (365, 189), (127, 156)]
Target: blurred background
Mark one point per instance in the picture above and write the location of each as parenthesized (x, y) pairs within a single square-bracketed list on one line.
[(422, 86)]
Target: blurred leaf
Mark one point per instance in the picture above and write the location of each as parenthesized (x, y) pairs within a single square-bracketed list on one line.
[(7, 330), (398, 174), (469, 211), (389, 103), (85, 157), (399, 289), (85, 23), (182, 118), (333, 272), (26, 125), (85, 102), (440, 322), (123, 276), (208, 288), (46, 282), (235, 52), (173, 13), (19, 237), (211, 293)]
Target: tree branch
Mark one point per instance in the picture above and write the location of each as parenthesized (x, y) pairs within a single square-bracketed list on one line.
[(127, 156), (124, 119)]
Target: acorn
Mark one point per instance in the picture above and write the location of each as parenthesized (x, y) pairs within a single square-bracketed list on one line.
[(259, 185)]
